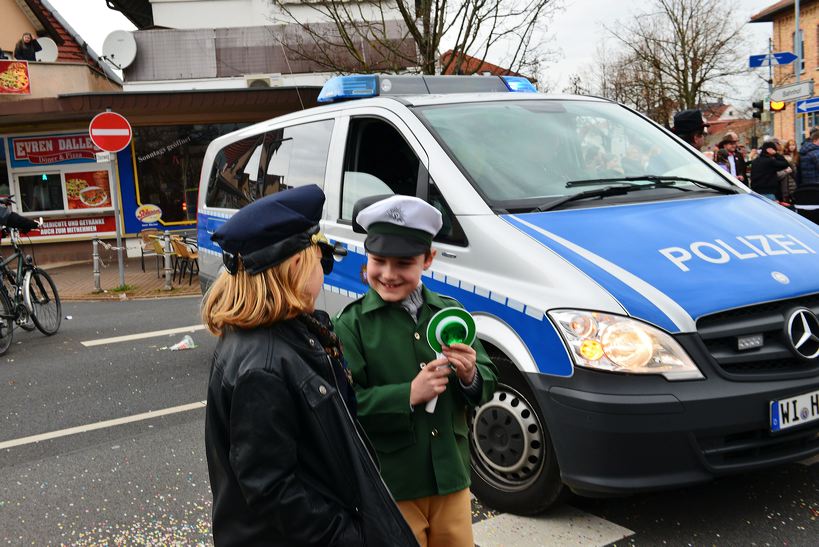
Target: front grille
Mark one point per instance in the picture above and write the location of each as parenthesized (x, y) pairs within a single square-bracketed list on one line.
[(757, 447), (720, 331)]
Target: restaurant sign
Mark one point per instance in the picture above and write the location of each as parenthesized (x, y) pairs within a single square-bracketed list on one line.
[(14, 78), (52, 149), (75, 226)]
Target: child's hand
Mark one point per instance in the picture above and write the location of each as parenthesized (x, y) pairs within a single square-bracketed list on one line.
[(430, 382), (463, 358)]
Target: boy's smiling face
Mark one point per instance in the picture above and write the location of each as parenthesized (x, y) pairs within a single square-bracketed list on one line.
[(395, 277)]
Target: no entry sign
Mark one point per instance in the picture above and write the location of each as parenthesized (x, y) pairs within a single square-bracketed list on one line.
[(110, 131)]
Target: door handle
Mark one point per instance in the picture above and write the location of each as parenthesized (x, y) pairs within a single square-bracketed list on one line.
[(447, 254)]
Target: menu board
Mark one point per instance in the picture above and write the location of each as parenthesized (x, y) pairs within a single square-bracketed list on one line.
[(87, 190)]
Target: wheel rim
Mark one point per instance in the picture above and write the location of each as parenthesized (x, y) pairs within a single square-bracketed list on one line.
[(508, 441)]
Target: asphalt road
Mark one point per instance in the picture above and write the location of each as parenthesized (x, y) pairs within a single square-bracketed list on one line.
[(144, 481)]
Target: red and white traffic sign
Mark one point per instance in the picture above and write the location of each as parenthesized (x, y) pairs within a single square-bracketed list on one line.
[(110, 131)]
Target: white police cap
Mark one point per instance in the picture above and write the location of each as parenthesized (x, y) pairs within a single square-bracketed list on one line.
[(399, 226)]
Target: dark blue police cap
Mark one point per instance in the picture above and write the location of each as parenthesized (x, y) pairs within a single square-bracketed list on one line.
[(271, 229)]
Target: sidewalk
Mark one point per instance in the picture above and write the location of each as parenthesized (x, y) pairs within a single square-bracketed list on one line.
[(76, 281)]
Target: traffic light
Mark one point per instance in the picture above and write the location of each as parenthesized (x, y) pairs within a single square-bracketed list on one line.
[(776, 106), (759, 107)]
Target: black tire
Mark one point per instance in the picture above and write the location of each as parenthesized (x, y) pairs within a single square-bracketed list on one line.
[(6, 322), (514, 467), (46, 310)]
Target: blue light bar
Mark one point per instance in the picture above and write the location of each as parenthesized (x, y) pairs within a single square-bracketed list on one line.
[(519, 84), (349, 87)]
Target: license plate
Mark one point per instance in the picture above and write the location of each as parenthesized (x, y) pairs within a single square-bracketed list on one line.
[(794, 411)]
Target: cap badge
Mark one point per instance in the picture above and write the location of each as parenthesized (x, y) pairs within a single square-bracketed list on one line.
[(396, 214)]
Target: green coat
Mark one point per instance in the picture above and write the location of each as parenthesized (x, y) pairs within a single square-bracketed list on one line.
[(421, 454)]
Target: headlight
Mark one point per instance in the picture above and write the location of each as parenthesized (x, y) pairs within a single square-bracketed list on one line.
[(614, 343)]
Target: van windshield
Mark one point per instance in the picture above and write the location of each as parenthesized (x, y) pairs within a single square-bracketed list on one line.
[(535, 154)]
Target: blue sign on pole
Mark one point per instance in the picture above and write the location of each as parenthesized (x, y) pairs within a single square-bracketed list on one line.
[(808, 105), (779, 58)]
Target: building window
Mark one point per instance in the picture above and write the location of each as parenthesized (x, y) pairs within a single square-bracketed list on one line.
[(168, 163), (41, 192), (801, 48)]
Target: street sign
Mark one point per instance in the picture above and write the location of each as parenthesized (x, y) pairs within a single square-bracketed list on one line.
[(809, 105), (103, 157), (793, 92), (779, 58), (110, 131)]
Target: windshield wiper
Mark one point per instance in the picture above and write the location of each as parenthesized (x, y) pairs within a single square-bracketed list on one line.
[(606, 191), (659, 181)]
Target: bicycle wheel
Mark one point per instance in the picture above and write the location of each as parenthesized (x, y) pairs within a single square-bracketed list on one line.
[(6, 322), (42, 301)]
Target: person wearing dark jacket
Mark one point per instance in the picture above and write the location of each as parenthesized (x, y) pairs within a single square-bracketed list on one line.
[(288, 462), (764, 171), (809, 160), (10, 219), (26, 48)]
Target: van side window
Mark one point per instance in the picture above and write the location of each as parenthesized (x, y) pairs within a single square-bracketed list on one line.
[(265, 164), (377, 161)]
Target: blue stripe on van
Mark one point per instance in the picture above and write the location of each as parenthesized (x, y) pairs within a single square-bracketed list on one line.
[(633, 302)]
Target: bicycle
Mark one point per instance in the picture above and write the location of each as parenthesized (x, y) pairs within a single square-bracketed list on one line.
[(28, 295)]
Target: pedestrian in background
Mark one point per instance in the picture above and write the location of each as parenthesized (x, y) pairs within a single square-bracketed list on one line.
[(424, 456), (736, 162), (26, 48), (809, 160), (287, 464), (765, 171), (691, 127), (721, 159)]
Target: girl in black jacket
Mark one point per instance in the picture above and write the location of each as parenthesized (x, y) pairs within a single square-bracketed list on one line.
[(287, 460), (26, 48)]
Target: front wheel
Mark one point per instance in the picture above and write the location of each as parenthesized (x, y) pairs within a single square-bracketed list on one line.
[(514, 467), (6, 322), (43, 301)]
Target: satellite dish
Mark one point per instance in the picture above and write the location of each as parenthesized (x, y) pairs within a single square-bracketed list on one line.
[(119, 48), (49, 52)]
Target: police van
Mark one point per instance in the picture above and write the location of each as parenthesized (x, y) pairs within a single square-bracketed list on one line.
[(653, 320)]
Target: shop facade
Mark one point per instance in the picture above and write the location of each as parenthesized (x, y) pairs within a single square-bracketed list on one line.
[(53, 170)]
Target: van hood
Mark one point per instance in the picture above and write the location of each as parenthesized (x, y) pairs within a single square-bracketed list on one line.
[(672, 262)]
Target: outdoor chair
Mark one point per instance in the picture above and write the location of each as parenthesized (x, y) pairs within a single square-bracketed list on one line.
[(186, 259), (806, 200), (147, 247)]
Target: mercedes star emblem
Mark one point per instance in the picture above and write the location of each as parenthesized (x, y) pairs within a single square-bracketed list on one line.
[(802, 330)]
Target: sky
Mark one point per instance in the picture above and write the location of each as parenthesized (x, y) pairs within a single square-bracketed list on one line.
[(578, 29)]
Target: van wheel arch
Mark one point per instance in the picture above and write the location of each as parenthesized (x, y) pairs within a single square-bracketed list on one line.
[(514, 466)]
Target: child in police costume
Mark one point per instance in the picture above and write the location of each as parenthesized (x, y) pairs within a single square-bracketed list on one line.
[(286, 460), (424, 456)]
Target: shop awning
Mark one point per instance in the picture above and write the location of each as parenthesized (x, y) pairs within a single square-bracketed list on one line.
[(157, 107)]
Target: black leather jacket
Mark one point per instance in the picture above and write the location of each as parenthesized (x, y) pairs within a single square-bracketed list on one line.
[(287, 463)]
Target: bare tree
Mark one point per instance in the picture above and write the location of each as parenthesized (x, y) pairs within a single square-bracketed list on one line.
[(393, 35), (680, 52)]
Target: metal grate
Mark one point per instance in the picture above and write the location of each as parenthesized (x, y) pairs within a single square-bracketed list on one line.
[(719, 332)]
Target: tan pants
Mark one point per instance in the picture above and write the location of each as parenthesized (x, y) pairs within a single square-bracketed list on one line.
[(440, 521)]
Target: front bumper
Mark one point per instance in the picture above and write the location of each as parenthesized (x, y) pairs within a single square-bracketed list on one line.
[(618, 434)]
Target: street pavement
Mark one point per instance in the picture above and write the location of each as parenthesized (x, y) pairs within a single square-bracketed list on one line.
[(102, 444)]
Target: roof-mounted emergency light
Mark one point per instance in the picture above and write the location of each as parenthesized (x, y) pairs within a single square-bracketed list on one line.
[(341, 88)]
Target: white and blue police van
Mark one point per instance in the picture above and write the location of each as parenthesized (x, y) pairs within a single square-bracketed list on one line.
[(654, 321)]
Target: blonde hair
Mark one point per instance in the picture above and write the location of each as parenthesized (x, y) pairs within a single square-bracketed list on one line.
[(248, 301)]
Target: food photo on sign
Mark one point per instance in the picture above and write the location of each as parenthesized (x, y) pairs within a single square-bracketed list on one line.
[(87, 190), (14, 78)]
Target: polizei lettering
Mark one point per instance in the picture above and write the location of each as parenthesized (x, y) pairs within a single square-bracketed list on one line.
[(746, 247)]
